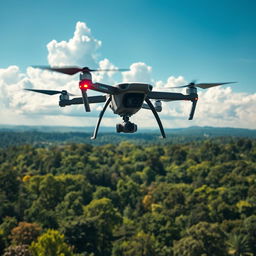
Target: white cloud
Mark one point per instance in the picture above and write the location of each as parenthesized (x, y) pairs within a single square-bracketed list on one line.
[(81, 49), (219, 106), (171, 82), (105, 76), (226, 108), (11, 83), (139, 72)]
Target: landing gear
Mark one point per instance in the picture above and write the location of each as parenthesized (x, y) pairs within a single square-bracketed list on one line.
[(126, 126)]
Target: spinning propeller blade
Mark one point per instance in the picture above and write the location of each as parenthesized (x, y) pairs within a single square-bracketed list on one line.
[(49, 92), (110, 70), (209, 85), (73, 69), (201, 85), (64, 70)]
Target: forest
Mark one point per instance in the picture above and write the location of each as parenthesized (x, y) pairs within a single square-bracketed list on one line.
[(48, 135), (195, 198)]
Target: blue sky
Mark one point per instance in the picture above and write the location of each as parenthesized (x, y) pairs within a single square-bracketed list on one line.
[(204, 40), (210, 41)]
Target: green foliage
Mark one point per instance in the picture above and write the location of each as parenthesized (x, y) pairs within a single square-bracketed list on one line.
[(249, 229), (188, 246), (194, 198), (51, 243), (139, 245), (129, 192), (104, 212), (238, 245), (9, 182), (71, 206), (82, 234), (2, 241), (56, 197), (5, 231), (106, 217), (201, 239)]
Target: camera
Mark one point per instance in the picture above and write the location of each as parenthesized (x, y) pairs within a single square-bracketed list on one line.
[(126, 127)]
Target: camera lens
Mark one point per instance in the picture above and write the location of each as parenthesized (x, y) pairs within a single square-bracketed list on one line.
[(119, 128), (126, 127)]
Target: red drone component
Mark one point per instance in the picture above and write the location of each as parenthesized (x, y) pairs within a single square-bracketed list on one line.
[(85, 84)]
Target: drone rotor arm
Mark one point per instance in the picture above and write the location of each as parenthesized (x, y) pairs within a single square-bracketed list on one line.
[(168, 96), (79, 100), (105, 88), (97, 99)]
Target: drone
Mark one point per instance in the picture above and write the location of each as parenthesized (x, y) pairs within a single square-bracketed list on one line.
[(125, 99)]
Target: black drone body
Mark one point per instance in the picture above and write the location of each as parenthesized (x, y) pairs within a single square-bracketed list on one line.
[(125, 99)]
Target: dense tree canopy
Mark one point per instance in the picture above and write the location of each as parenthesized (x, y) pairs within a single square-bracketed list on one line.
[(188, 199)]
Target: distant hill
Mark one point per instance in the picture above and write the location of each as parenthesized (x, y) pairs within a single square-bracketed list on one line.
[(48, 135), (196, 130), (208, 131)]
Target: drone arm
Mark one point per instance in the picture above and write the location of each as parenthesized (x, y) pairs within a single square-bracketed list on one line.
[(97, 99), (104, 88), (169, 96), (156, 116), (100, 117), (76, 101)]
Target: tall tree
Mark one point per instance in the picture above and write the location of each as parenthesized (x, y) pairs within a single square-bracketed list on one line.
[(202, 238), (238, 245), (51, 243), (25, 233)]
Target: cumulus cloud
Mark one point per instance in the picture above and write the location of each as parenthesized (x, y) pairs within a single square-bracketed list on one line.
[(171, 82), (108, 77), (81, 49), (139, 72), (218, 106), (226, 108)]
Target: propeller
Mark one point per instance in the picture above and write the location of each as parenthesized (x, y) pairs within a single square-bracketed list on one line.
[(73, 69), (50, 92), (192, 90), (201, 85)]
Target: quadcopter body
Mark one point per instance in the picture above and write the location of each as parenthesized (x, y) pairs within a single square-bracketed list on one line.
[(125, 99)]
